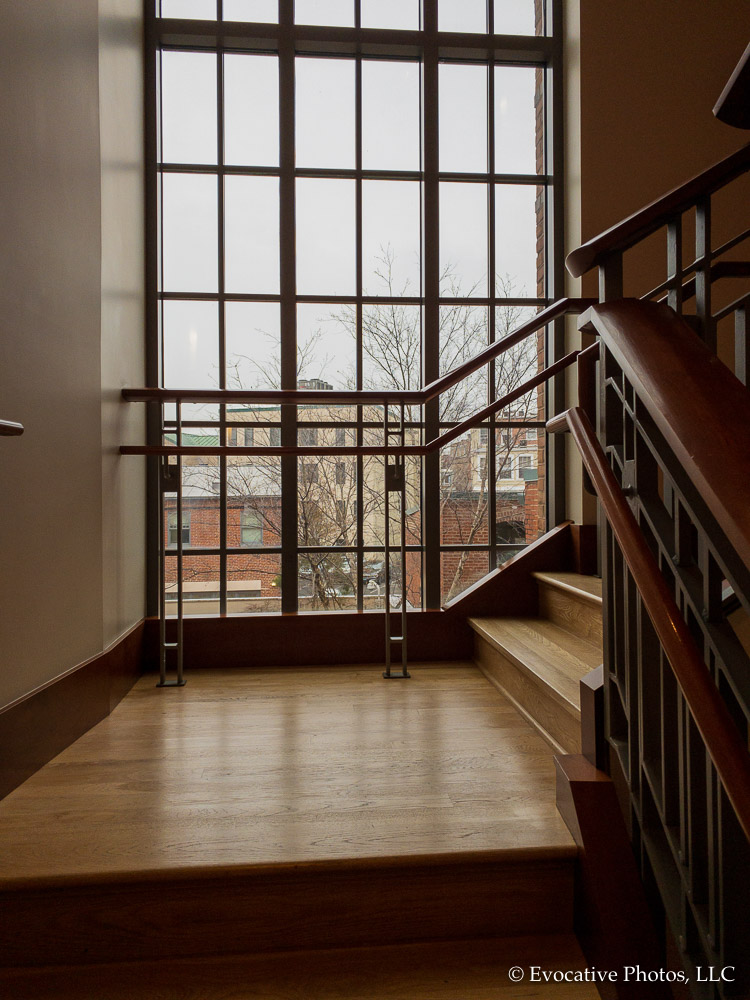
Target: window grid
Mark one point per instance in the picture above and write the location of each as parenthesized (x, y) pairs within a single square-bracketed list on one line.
[(282, 39)]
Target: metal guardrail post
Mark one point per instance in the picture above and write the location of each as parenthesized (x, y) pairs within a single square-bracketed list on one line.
[(395, 482), (170, 481)]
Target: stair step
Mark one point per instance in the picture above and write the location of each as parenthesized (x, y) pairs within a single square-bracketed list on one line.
[(470, 970), (269, 908), (538, 665), (573, 601)]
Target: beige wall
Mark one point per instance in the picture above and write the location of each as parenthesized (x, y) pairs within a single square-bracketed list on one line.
[(122, 314), (52, 367), (641, 80)]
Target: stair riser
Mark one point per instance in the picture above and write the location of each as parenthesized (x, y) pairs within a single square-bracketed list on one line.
[(293, 909), (560, 727), (577, 615)]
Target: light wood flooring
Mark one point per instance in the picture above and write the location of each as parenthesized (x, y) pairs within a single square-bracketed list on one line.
[(245, 768)]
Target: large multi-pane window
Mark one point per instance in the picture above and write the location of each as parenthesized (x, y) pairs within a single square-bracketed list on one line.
[(350, 194)]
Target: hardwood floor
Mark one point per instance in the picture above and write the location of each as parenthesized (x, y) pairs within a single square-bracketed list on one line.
[(255, 767)]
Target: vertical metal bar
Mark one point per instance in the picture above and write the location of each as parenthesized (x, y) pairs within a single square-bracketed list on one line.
[(740, 344), (402, 461), (674, 263), (387, 547), (180, 565), (222, 325), (703, 270), (491, 456), (359, 464), (431, 268), (163, 532), (289, 539)]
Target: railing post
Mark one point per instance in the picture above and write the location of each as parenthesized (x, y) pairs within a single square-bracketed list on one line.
[(703, 271), (610, 277), (674, 264)]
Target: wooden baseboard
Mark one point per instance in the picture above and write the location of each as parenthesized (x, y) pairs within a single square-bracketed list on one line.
[(310, 639), (39, 726)]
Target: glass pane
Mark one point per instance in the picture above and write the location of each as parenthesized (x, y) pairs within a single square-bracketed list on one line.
[(391, 237), (264, 11), (463, 333), (390, 14), (462, 15), (253, 521), (191, 345), (326, 351), (193, 10), (200, 584), (253, 584), (254, 496), (517, 17), (327, 582), (519, 226), (519, 122), (521, 362), (463, 239), (390, 115), (251, 110), (459, 570), (190, 233), (326, 496), (253, 345), (324, 112), (333, 12), (391, 345), (326, 250), (520, 509), (251, 235), (188, 107), (464, 489), (463, 118)]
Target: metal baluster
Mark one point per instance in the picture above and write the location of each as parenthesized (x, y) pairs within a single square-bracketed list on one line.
[(171, 482), (395, 482)]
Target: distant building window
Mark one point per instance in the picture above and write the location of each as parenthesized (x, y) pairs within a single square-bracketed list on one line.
[(524, 462), (310, 472), (483, 431), (172, 528), (340, 437), (340, 473), (274, 437), (506, 470), (251, 528), (249, 437), (308, 437)]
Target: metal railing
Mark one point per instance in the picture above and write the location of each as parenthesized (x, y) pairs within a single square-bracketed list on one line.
[(394, 451)]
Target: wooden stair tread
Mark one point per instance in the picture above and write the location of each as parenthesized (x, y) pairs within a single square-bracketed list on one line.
[(547, 651), (585, 588), (446, 970)]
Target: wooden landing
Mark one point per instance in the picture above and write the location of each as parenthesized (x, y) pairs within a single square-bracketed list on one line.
[(254, 811)]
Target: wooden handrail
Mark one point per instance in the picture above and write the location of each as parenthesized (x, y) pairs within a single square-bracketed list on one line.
[(9, 428), (417, 450), (733, 106), (628, 232), (715, 724), (373, 397), (697, 404)]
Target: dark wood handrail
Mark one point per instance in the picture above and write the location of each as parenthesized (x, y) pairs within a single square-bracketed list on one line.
[(628, 232), (418, 450), (715, 724), (9, 428), (733, 106), (700, 408), (373, 397)]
